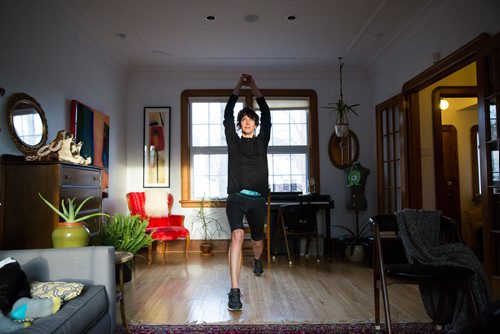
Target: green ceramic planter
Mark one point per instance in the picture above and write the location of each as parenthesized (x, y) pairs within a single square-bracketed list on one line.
[(70, 235)]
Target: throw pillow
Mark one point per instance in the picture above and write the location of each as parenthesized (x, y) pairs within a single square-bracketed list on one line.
[(156, 203), (64, 290)]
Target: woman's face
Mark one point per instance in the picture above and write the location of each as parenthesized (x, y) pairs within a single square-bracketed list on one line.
[(247, 126)]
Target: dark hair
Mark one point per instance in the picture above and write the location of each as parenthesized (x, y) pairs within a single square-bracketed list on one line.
[(249, 113)]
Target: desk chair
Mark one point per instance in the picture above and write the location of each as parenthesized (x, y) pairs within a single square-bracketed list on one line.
[(267, 229), (391, 266), (298, 220)]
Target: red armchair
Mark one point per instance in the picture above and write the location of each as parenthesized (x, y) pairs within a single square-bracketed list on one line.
[(166, 228)]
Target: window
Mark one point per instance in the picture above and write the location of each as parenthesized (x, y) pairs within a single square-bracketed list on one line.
[(292, 152)]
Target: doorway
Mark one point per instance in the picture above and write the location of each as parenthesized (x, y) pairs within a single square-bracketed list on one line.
[(455, 160)]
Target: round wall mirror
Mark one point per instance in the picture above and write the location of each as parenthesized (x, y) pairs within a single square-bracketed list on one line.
[(343, 151), (26, 122)]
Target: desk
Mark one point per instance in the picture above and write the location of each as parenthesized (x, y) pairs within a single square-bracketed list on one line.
[(122, 258), (325, 202)]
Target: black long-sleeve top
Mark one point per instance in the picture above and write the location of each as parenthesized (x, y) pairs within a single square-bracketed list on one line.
[(247, 157)]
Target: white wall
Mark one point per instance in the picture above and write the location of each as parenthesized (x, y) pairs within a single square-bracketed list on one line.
[(56, 67), (164, 88)]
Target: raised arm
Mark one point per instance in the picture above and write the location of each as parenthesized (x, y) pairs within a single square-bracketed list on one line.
[(241, 82)]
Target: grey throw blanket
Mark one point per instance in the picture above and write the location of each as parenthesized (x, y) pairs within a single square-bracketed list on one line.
[(419, 232)]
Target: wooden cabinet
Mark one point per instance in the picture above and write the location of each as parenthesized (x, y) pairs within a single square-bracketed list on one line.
[(27, 221)]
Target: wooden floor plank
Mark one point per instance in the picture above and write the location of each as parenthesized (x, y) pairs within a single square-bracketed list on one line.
[(174, 290)]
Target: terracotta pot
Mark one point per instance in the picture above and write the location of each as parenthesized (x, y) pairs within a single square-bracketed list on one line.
[(70, 235), (206, 248)]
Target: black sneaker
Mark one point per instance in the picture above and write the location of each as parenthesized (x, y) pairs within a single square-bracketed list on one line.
[(257, 267), (234, 303)]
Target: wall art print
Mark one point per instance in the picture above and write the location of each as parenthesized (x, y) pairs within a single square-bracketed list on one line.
[(92, 128), (156, 160)]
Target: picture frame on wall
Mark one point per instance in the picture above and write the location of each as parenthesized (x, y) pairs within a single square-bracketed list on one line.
[(91, 127), (156, 158)]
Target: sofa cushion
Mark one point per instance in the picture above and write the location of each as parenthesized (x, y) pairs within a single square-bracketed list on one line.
[(64, 290), (76, 316)]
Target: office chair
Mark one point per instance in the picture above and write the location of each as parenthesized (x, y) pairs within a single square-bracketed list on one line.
[(298, 220), (391, 266)]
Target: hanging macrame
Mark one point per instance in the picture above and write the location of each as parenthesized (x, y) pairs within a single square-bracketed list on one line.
[(342, 109)]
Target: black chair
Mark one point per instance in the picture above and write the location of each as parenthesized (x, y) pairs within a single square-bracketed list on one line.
[(391, 266), (298, 220)]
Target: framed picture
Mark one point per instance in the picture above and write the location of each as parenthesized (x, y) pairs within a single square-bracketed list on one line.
[(156, 164), (92, 128)]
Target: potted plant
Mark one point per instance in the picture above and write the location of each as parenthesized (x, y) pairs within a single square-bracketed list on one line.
[(72, 232), (342, 109), (354, 243), (126, 234), (210, 226)]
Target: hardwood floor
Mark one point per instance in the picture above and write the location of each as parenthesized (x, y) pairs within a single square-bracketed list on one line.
[(179, 291)]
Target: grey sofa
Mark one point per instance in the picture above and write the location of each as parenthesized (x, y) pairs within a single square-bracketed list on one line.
[(91, 312)]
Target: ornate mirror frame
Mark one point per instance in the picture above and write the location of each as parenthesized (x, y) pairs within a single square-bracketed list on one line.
[(343, 151), (15, 101)]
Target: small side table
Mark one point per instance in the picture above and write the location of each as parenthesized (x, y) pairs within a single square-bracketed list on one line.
[(120, 259)]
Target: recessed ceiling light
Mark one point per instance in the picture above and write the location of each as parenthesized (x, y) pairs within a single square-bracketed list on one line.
[(291, 18), (251, 18), (211, 18)]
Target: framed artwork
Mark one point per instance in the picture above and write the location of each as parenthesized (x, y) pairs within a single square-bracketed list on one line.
[(92, 128), (156, 161)]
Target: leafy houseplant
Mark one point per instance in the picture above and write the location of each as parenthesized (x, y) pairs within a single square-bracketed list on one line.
[(126, 233), (72, 232), (342, 109), (210, 225)]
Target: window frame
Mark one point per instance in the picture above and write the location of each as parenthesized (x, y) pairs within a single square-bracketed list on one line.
[(186, 201)]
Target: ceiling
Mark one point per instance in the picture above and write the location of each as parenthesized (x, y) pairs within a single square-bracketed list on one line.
[(152, 33)]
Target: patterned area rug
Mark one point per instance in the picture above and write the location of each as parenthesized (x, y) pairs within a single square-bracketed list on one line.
[(342, 328)]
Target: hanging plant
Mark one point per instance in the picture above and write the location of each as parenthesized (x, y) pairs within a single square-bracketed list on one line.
[(342, 109)]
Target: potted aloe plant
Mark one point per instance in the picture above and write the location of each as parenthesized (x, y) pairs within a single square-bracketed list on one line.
[(72, 232), (342, 110)]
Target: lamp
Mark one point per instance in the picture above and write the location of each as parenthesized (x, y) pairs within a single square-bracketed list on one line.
[(443, 104)]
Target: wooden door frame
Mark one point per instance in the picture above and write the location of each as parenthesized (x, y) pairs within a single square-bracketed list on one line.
[(452, 63)]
